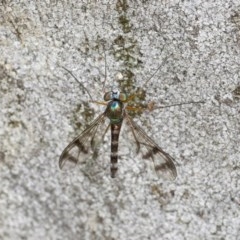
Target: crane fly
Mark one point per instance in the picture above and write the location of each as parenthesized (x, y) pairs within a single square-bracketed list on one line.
[(86, 145)]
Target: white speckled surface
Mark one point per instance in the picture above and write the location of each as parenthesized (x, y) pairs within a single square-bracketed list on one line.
[(43, 108)]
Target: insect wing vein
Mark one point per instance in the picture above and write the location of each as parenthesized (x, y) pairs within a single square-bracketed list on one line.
[(163, 162), (83, 146)]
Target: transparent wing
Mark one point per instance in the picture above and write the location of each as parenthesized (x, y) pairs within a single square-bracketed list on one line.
[(163, 162), (85, 146)]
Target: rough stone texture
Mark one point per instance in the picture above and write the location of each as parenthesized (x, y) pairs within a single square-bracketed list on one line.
[(197, 46)]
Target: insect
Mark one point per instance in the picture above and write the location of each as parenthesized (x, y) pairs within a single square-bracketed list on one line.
[(85, 146)]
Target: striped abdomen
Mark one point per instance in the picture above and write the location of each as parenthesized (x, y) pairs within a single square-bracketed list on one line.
[(115, 130)]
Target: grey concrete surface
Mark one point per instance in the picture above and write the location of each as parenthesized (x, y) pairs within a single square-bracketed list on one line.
[(196, 44)]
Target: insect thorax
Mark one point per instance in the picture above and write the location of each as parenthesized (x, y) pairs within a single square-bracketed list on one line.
[(114, 111)]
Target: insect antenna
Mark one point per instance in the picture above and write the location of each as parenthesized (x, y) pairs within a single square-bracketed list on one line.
[(105, 71), (114, 85)]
